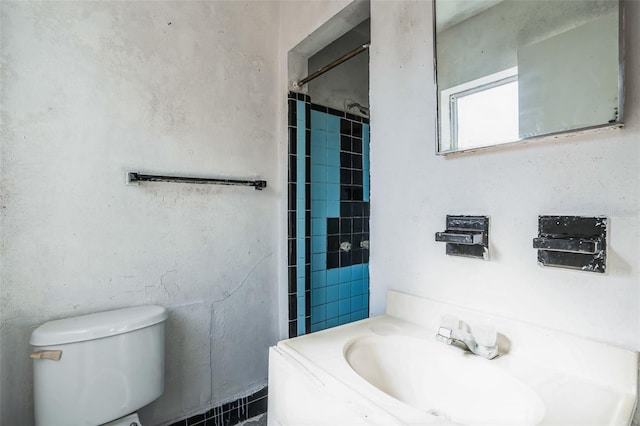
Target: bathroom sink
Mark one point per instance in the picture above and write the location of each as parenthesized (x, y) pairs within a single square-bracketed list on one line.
[(391, 370), (443, 381)]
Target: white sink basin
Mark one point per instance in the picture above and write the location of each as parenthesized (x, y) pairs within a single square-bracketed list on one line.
[(390, 370), (444, 381)]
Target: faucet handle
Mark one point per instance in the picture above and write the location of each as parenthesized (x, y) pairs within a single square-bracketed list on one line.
[(444, 335), (486, 335), (445, 332), (449, 321)]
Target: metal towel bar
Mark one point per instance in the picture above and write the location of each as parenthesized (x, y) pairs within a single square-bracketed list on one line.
[(134, 178)]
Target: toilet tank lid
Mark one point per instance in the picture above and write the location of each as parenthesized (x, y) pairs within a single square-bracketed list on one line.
[(98, 325)]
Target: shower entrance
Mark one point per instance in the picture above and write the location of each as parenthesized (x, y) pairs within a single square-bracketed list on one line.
[(328, 211)]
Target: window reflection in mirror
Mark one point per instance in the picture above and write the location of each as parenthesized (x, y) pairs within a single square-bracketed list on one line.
[(509, 70), (483, 109)]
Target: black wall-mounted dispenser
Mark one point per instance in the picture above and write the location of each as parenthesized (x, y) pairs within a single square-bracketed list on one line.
[(574, 242), (466, 236)]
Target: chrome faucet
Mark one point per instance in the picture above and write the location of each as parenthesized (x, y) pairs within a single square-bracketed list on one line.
[(488, 350)]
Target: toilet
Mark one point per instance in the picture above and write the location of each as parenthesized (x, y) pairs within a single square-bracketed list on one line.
[(98, 369)]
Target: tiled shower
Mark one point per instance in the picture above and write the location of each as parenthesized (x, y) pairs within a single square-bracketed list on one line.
[(328, 216)]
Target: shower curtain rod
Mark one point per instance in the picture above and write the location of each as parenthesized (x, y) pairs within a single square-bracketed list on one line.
[(334, 64)]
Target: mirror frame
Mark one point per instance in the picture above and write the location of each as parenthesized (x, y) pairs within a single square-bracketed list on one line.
[(547, 136)]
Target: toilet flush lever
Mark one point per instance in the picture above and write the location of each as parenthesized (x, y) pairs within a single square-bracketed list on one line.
[(52, 355)]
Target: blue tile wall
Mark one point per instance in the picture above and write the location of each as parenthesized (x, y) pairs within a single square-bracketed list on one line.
[(299, 214), (328, 188), (340, 293), (294, 273), (301, 202)]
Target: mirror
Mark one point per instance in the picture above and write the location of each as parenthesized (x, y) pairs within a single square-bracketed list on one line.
[(514, 70)]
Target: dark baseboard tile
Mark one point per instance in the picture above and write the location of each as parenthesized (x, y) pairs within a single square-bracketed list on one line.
[(230, 413)]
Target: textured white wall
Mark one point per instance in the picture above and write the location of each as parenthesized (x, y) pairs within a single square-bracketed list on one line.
[(412, 190), (92, 89)]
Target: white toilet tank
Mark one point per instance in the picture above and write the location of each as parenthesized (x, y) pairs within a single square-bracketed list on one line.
[(110, 365)]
